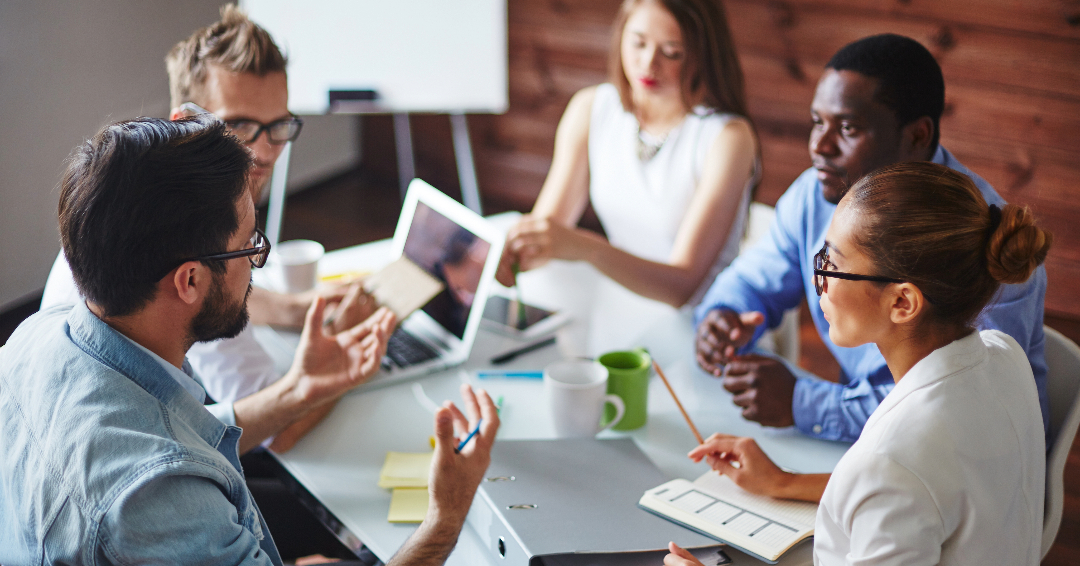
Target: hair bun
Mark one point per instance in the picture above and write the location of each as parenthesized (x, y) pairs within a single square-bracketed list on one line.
[(1017, 247)]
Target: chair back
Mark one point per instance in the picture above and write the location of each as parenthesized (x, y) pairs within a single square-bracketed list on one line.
[(1063, 393)]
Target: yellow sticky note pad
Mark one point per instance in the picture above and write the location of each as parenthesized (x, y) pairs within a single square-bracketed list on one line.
[(405, 469), (344, 276), (408, 505)]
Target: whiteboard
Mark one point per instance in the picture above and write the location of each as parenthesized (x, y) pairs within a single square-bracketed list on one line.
[(417, 55)]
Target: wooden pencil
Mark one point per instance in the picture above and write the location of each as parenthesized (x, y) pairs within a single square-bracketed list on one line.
[(693, 428)]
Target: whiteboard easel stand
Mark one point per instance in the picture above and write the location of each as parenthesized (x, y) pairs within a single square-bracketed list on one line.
[(470, 191), (406, 163), (459, 129)]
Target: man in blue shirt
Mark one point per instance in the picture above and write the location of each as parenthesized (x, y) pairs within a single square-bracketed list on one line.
[(109, 456), (879, 102)]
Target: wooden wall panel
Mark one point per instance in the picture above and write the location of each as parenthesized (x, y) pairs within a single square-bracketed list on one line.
[(808, 35), (1059, 18), (1012, 71)]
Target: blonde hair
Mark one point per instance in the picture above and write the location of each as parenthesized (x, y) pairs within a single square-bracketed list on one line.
[(711, 75), (235, 43), (929, 225)]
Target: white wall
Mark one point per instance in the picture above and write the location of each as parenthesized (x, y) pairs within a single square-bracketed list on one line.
[(67, 68)]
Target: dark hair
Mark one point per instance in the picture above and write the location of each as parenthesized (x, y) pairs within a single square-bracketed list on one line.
[(911, 84), (711, 71), (929, 225), (141, 197), (235, 43)]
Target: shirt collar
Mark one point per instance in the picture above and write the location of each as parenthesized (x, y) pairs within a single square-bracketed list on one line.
[(942, 157), (102, 342), (184, 376)]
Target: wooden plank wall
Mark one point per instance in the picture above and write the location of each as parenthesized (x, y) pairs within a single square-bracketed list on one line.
[(1012, 72)]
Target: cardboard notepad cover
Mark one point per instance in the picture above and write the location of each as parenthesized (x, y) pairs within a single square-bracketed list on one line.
[(570, 496)]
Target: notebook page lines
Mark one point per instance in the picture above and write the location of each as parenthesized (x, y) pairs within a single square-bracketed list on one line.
[(737, 519), (799, 515)]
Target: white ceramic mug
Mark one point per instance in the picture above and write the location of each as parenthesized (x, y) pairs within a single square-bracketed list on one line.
[(576, 392), (299, 260)]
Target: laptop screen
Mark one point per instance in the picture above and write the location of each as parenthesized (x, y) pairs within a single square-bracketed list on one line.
[(452, 254)]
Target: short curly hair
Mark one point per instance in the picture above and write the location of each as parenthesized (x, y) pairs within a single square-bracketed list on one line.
[(235, 43), (911, 83)]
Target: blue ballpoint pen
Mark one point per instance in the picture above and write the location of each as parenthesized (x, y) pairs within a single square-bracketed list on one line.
[(522, 374), (468, 438)]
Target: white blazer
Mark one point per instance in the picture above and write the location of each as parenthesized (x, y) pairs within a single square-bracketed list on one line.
[(949, 469)]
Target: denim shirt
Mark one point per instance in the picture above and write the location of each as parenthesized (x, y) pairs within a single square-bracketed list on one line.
[(775, 274), (106, 459)]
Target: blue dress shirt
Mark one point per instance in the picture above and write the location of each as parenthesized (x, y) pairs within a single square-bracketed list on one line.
[(775, 274), (106, 458)]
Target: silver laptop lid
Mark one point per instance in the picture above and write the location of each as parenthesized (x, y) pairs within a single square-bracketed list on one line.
[(456, 246)]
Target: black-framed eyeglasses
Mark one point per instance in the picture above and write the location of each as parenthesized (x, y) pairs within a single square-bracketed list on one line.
[(279, 131), (821, 259), (256, 254), (247, 131)]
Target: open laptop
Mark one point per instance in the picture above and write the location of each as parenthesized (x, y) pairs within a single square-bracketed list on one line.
[(458, 247)]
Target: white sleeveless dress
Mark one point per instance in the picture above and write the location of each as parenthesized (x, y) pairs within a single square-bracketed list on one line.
[(641, 204)]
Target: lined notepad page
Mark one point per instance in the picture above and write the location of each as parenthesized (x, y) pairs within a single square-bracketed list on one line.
[(774, 522)]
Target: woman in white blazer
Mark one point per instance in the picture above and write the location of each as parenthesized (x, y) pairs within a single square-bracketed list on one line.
[(950, 467)]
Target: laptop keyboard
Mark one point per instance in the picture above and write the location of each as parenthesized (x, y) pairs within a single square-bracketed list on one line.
[(404, 349)]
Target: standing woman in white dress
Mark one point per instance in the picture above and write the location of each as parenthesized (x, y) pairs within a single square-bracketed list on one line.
[(664, 152), (950, 468)]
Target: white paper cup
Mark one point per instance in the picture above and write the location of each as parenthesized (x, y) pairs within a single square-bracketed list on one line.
[(299, 261), (576, 393)]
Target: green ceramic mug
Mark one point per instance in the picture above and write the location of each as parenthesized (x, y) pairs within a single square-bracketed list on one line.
[(628, 377)]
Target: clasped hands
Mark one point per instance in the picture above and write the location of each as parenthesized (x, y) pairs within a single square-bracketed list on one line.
[(763, 386)]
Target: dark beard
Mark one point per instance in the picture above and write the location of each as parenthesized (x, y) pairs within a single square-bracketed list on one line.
[(219, 317)]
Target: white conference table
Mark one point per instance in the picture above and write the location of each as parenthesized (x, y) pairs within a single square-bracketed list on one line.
[(338, 462)]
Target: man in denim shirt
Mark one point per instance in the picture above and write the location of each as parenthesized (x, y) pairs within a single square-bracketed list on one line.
[(878, 103), (108, 454)]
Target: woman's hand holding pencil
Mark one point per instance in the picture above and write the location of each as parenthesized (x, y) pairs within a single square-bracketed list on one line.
[(742, 460)]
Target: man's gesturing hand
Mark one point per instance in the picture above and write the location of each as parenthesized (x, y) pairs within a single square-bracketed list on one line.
[(763, 387), (326, 366), (721, 333), (355, 306), (453, 479)]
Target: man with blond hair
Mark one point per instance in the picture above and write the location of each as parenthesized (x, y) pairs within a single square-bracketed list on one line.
[(233, 69)]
